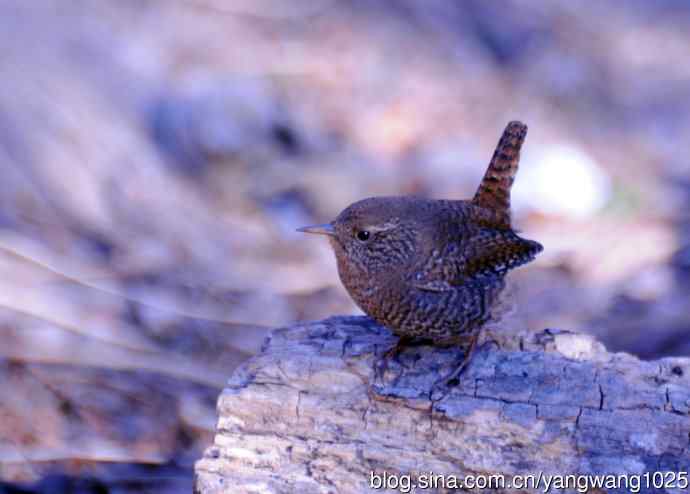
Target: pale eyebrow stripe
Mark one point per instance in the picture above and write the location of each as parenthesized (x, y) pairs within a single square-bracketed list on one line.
[(380, 228)]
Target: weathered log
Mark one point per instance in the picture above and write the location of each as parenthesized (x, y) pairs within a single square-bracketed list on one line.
[(302, 416)]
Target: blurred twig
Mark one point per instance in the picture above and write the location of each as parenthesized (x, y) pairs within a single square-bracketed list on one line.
[(270, 9), (81, 279)]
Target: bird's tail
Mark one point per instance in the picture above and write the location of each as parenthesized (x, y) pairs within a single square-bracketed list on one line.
[(494, 191)]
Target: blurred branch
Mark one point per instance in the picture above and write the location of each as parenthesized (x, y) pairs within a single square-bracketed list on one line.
[(270, 9), (79, 279)]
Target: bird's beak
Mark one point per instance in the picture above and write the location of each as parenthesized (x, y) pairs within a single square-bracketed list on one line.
[(325, 229)]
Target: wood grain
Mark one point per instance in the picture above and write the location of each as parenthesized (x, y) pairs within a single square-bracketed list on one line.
[(302, 417)]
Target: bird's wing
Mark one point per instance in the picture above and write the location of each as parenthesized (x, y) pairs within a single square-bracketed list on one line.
[(442, 269), (498, 251), (433, 285), (478, 254)]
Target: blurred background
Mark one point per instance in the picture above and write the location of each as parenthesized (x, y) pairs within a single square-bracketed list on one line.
[(157, 155)]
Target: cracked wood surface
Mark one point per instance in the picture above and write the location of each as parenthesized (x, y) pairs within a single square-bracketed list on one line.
[(301, 416)]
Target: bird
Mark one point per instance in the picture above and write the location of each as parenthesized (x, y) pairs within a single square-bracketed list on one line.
[(432, 270)]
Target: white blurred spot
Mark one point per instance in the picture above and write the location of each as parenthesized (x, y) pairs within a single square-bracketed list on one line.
[(561, 180)]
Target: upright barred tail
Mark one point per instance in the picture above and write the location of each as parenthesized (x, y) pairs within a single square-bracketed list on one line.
[(494, 191)]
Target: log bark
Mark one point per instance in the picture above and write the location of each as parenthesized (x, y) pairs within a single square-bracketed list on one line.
[(307, 415)]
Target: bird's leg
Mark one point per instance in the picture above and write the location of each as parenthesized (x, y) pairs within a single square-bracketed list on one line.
[(381, 364), (453, 377)]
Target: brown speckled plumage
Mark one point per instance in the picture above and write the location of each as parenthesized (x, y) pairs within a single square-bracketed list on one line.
[(433, 269)]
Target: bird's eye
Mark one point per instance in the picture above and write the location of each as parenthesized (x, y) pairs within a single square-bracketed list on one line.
[(363, 235)]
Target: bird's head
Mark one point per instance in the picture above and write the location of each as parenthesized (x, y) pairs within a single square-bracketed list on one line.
[(371, 235)]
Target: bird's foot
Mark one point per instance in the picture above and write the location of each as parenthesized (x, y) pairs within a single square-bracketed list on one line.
[(442, 386), (382, 363)]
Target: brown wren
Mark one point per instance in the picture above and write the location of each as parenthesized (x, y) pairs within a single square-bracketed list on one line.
[(433, 269)]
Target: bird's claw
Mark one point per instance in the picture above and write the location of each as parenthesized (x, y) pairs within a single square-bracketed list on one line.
[(380, 368), (382, 363), (453, 379)]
